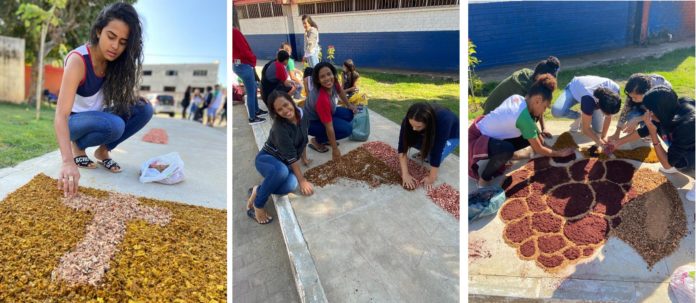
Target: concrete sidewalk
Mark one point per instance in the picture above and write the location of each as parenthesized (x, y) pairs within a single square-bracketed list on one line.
[(499, 73), (616, 274), (203, 150), (384, 244)]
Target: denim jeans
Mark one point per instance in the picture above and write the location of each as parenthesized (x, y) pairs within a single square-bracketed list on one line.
[(450, 145), (313, 59), (94, 128), (561, 109), (341, 124), (246, 72), (278, 178)]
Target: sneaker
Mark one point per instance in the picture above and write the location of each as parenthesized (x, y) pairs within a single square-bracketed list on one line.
[(256, 120), (690, 195), (575, 126), (261, 113), (671, 170)]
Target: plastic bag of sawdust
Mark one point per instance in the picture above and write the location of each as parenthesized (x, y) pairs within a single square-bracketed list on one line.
[(485, 202), (682, 283), (165, 169)]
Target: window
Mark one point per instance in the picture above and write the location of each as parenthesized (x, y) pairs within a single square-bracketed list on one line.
[(172, 73), (147, 73), (201, 73), (145, 88), (170, 89), (337, 6), (260, 10)]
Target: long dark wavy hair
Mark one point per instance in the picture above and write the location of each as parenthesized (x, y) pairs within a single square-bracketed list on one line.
[(425, 113), (122, 74)]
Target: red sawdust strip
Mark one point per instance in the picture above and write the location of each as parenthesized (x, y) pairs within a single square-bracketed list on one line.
[(89, 261), (513, 210), (546, 223), (551, 244), (619, 171), (587, 169), (608, 197), (590, 229), (446, 197), (156, 135), (570, 200), (519, 231)]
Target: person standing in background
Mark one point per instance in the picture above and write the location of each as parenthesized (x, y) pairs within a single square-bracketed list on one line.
[(185, 102), (244, 61), (311, 41)]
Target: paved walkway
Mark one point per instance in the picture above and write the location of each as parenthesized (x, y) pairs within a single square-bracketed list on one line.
[(203, 150), (596, 58), (616, 274), (261, 266), (379, 245)]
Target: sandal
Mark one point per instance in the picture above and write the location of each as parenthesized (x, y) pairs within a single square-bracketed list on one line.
[(84, 162), (323, 148), (252, 214), (109, 164)]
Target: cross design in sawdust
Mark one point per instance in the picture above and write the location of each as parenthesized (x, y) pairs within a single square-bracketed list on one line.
[(558, 216), (89, 260)]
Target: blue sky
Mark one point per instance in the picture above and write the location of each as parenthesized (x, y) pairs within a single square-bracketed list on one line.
[(185, 31)]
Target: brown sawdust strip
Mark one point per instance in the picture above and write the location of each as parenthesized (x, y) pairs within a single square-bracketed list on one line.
[(185, 259), (655, 222), (359, 165), (565, 140)]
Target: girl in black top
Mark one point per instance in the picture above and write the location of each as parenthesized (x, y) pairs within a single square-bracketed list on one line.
[(350, 78), (278, 160)]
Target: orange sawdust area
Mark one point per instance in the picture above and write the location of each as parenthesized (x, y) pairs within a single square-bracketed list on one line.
[(358, 165), (558, 216), (644, 154), (183, 261)]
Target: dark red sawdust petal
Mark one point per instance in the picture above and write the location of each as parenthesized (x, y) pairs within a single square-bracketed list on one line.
[(528, 249), (619, 171), (519, 231), (608, 197), (587, 251), (550, 262), (513, 209), (515, 180), (590, 229), (572, 253), (551, 177), (551, 244), (570, 200), (547, 223), (539, 164), (519, 191), (590, 168), (535, 202), (565, 159)]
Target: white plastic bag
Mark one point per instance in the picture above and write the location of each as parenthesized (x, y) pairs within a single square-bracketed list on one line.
[(682, 283), (172, 173)]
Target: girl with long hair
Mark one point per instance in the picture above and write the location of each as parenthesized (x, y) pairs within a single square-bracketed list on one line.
[(311, 41), (98, 104), (350, 78)]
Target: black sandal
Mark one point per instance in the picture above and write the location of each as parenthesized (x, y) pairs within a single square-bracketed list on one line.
[(251, 213), (110, 163), (84, 162), (317, 149)]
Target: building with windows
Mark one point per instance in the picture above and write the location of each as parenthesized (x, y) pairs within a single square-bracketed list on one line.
[(172, 79), (394, 34)]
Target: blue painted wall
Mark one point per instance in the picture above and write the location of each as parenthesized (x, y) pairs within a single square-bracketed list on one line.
[(420, 51), (670, 16), (512, 32)]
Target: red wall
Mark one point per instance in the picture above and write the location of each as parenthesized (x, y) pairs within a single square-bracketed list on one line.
[(52, 78)]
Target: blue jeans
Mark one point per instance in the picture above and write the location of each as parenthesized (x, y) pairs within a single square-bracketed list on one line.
[(313, 59), (94, 128), (341, 124), (246, 72), (561, 109), (632, 114), (278, 178), (450, 145)]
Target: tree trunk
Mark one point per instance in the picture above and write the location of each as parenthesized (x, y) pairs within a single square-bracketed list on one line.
[(39, 80)]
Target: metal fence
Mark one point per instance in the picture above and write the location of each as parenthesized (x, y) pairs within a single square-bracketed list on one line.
[(259, 10), (368, 5)]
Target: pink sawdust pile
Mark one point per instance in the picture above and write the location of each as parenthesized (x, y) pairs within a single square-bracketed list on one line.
[(89, 260), (444, 195), (156, 135)]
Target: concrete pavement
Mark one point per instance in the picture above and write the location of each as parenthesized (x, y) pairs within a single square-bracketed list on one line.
[(203, 150), (616, 274)]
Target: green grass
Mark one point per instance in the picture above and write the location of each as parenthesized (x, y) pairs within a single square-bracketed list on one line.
[(21, 136), (390, 95), (677, 67)]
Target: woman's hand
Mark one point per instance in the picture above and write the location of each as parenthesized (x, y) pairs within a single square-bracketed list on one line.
[(546, 135), (631, 126), (69, 179), (407, 181), (306, 161), (648, 122), (306, 187), (335, 153)]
